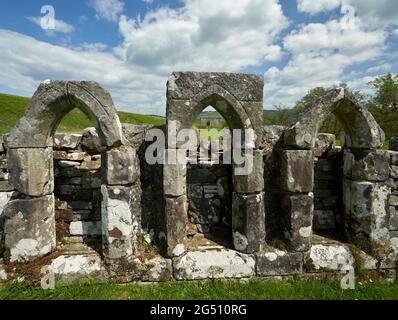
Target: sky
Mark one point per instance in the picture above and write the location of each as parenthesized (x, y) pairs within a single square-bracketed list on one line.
[(132, 46)]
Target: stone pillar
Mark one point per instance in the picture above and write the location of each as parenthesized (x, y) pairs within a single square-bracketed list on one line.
[(248, 215), (30, 219), (121, 204), (365, 197), (176, 204), (31, 170), (248, 221), (29, 228), (296, 184)]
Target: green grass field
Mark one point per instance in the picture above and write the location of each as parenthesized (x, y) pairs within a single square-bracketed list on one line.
[(12, 108), (210, 290)]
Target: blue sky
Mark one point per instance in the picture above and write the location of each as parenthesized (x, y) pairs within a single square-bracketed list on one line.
[(131, 47)]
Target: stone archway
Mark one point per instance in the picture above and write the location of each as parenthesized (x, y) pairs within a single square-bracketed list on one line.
[(30, 221), (239, 99), (365, 171)]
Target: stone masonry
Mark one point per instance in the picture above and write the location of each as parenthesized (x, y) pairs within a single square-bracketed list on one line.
[(90, 205)]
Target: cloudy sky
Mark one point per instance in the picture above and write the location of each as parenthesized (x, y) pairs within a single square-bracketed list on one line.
[(132, 46)]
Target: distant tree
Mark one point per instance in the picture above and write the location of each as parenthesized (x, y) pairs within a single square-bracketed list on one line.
[(386, 96), (384, 104), (309, 97), (284, 115)]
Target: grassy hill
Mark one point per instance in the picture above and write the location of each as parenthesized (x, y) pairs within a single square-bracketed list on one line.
[(12, 108)]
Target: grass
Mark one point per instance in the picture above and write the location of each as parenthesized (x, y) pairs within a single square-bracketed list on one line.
[(12, 109), (255, 289)]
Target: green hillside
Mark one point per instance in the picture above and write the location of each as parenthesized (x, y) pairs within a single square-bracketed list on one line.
[(12, 108)]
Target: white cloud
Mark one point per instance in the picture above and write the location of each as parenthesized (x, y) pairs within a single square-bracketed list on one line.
[(201, 35), (22, 70), (108, 9), (320, 56), (395, 32), (148, 1), (382, 68), (60, 26), (92, 47), (375, 13), (204, 35), (313, 7)]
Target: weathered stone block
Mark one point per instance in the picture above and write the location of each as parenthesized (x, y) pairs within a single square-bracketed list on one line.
[(195, 191), (60, 155), (76, 156), (158, 269), (323, 143), (134, 134), (324, 220), (393, 218), (248, 222), (245, 87), (365, 165), (91, 180), (174, 179), (31, 170), (85, 228), (68, 164), (279, 263), (29, 228), (297, 171), (197, 265), (91, 163), (6, 186), (63, 141), (394, 172), (394, 143), (254, 180), (297, 220), (393, 200), (394, 157), (366, 215), (91, 141), (176, 211), (328, 258), (121, 220), (74, 268), (122, 166)]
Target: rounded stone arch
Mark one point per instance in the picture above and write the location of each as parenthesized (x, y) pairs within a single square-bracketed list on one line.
[(52, 101), (360, 126), (238, 98), (30, 219)]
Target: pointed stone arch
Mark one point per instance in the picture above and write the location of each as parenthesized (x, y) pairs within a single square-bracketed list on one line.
[(361, 128), (30, 219), (365, 171), (52, 101), (238, 98)]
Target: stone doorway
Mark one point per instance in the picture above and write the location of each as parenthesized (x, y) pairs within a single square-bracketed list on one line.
[(364, 171), (30, 219), (238, 98), (209, 186)]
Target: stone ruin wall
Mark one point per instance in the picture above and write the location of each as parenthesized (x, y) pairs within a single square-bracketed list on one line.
[(81, 167)]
